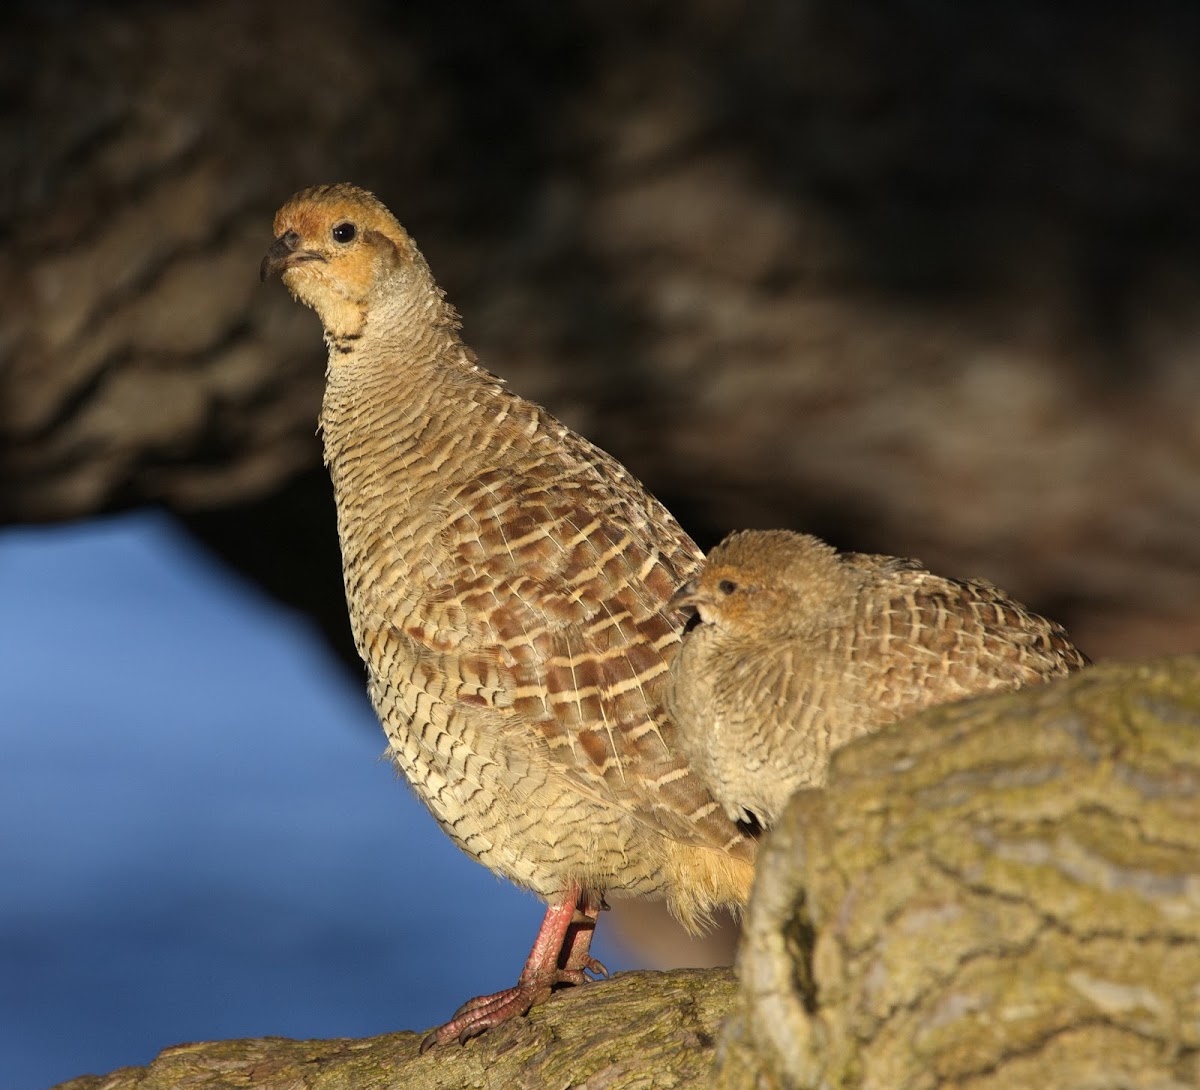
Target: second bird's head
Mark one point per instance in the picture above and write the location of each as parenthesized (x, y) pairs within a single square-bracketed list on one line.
[(337, 248), (770, 584)]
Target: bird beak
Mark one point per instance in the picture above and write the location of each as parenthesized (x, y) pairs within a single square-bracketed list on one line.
[(685, 596), (283, 255)]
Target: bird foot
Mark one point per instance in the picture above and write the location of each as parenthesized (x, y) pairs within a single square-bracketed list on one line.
[(485, 1012), (579, 974), (559, 956)]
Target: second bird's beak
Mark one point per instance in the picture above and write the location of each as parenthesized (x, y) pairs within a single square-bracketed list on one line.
[(283, 254), (685, 596)]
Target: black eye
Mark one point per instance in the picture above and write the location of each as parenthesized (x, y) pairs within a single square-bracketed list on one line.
[(344, 232), (726, 586)]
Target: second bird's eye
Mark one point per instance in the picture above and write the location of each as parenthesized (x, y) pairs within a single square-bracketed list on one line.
[(344, 232), (726, 586)]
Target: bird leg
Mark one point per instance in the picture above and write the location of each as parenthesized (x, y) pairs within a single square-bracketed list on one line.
[(578, 961), (559, 956)]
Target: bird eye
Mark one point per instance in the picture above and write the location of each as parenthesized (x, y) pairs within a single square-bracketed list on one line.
[(726, 586), (344, 232)]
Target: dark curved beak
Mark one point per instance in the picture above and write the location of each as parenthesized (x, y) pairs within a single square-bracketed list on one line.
[(684, 597), (283, 254)]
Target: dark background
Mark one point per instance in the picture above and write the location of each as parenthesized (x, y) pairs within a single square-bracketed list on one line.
[(921, 277)]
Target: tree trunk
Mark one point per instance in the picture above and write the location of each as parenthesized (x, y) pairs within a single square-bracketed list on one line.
[(999, 893)]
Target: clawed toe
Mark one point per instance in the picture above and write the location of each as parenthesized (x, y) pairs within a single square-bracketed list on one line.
[(485, 1012), (564, 938), (579, 975), (597, 969)]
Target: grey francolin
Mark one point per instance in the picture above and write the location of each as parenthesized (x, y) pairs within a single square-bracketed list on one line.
[(508, 586), (801, 648)]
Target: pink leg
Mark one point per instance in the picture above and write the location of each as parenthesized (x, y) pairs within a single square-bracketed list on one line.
[(578, 961), (559, 956)]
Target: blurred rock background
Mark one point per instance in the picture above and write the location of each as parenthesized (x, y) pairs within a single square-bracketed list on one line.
[(920, 277)]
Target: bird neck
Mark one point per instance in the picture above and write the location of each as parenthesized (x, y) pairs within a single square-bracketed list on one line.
[(401, 419), (403, 369), (394, 321)]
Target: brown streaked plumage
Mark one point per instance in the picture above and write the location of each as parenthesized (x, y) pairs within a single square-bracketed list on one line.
[(801, 648), (508, 587)]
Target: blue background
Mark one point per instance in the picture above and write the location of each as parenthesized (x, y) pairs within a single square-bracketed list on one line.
[(199, 837)]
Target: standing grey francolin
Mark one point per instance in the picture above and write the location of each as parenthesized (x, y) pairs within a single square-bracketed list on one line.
[(801, 648), (508, 586)]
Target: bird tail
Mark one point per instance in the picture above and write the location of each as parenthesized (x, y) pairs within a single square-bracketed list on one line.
[(703, 880)]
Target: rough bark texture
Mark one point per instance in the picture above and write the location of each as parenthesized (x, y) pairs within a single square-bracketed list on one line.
[(927, 272), (1002, 893), (643, 1030)]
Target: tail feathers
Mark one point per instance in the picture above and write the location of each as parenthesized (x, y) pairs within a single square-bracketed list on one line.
[(701, 881)]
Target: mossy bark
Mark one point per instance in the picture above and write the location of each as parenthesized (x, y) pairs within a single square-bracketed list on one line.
[(999, 893)]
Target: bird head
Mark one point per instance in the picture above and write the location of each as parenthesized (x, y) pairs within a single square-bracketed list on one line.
[(338, 249), (727, 597), (769, 582)]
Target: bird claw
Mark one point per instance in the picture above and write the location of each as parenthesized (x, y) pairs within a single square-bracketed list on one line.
[(596, 968), (579, 975), (541, 974), (485, 1012)]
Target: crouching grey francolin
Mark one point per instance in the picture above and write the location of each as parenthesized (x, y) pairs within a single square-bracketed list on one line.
[(801, 648)]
